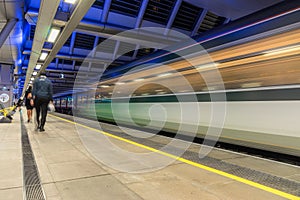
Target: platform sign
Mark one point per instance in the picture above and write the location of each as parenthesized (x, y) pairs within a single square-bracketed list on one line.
[(5, 98)]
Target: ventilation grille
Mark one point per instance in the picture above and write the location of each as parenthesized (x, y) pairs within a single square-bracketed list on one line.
[(98, 4), (32, 30), (84, 41), (108, 46), (65, 62), (68, 42), (78, 63), (187, 16), (124, 47), (159, 11), (97, 66), (126, 7), (210, 21), (31, 179)]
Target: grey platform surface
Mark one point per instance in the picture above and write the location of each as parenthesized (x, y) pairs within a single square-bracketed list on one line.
[(11, 179), (69, 171)]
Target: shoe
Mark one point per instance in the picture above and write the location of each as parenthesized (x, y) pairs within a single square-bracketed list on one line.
[(38, 127), (28, 120), (42, 129)]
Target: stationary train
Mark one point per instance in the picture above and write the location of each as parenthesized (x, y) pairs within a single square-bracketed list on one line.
[(257, 103)]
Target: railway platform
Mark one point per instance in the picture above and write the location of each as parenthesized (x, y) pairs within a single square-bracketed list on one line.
[(62, 163)]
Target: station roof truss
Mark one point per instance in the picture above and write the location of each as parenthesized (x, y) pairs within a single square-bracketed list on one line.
[(86, 24)]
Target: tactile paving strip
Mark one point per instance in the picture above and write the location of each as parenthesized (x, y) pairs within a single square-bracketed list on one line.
[(31, 179)]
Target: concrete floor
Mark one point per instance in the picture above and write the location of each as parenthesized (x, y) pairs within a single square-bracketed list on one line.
[(69, 171), (11, 178)]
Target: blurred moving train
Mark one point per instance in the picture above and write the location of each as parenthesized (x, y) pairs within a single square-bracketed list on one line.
[(258, 58)]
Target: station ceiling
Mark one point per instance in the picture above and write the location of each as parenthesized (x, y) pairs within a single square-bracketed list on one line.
[(25, 27)]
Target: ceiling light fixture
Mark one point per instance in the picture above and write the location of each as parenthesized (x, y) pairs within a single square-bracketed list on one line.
[(104, 86), (34, 73), (70, 1), (37, 67), (32, 79), (43, 56), (53, 35)]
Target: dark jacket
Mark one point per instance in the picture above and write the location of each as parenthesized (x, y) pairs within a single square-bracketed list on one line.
[(42, 88)]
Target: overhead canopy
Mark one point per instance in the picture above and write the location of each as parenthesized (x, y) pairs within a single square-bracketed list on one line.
[(87, 23)]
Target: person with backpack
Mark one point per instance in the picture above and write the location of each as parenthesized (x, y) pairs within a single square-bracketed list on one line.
[(42, 95)]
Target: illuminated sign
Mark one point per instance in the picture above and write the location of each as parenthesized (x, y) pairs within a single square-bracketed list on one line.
[(4, 98)]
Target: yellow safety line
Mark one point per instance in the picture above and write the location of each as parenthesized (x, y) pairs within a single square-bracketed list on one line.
[(225, 174)]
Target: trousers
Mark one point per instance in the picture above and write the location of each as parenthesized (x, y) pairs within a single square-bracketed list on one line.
[(41, 106)]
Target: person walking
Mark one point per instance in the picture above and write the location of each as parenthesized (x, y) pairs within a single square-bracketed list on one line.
[(42, 95), (29, 107)]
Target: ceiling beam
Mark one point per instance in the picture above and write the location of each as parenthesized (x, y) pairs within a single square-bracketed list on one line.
[(137, 47), (144, 39), (95, 46), (80, 10), (116, 50), (142, 11), (105, 11), (173, 16), (82, 58), (6, 62), (226, 20), (7, 30), (199, 22), (103, 30), (73, 37), (46, 15), (138, 23)]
